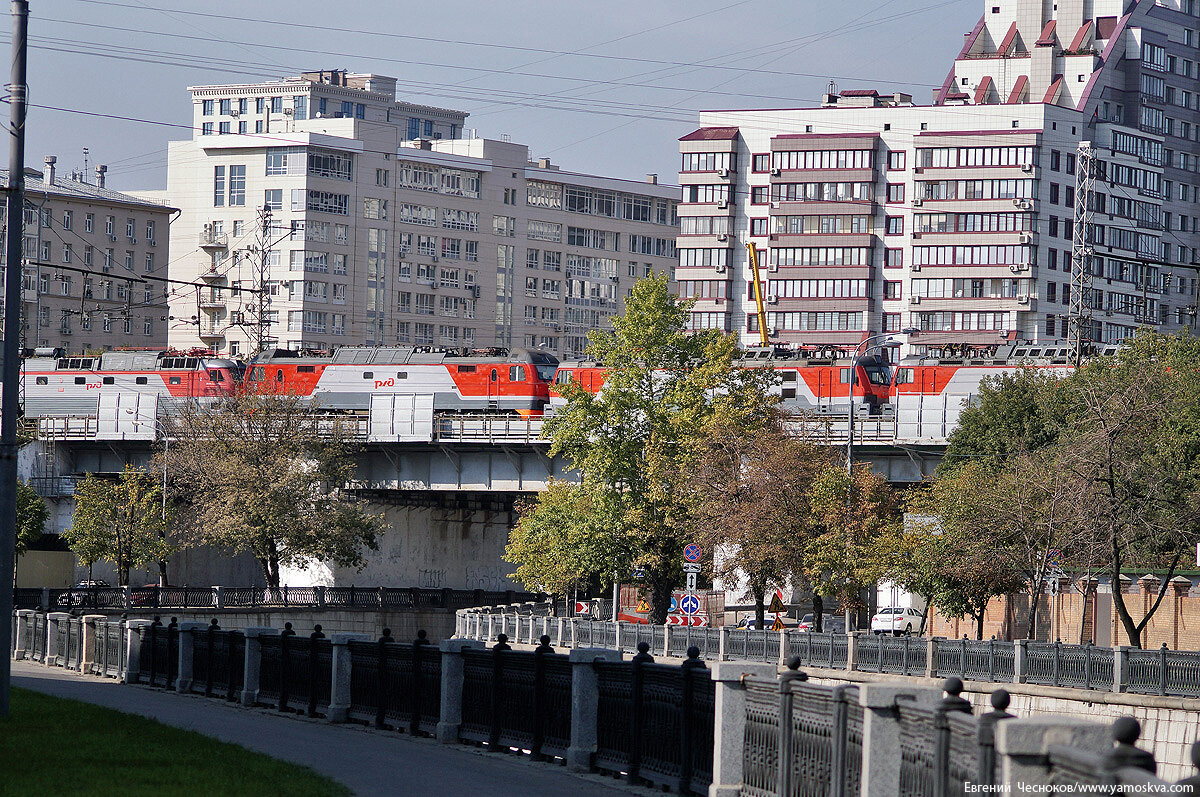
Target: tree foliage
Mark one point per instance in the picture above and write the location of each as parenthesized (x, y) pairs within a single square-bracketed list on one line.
[(750, 484), (1014, 412), (119, 521), (264, 474), (628, 441), (32, 514)]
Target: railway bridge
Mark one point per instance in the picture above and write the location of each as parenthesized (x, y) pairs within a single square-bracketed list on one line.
[(446, 484)]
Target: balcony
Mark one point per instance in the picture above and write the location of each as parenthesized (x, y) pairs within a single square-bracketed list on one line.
[(213, 240)]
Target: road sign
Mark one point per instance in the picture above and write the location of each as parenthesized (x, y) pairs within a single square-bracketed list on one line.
[(691, 582), (691, 567), (683, 619), (581, 607), (638, 572), (643, 606), (690, 604), (674, 605), (777, 605), (692, 552), (778, 624)]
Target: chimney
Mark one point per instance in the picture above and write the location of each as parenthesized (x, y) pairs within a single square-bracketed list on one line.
[(652, 179), (48, 172), (100, 172)]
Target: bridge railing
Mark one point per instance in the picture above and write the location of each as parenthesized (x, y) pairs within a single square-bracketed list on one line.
[(739, 727)]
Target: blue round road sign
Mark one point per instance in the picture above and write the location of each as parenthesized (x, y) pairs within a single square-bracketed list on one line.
[(692, 552), (690, 604)]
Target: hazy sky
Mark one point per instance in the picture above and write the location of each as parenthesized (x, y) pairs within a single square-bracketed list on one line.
[(600, 87)]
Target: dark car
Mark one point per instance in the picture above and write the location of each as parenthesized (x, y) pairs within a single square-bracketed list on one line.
[(830, 624), (82, 594)]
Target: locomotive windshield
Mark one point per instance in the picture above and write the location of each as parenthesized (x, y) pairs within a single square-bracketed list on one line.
[(878, 374), (546, 372)]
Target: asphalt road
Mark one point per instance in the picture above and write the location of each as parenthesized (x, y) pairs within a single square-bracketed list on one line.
[(369, 762)]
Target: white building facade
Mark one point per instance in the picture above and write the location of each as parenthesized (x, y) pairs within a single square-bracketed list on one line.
[(873, 215), (386, 226)]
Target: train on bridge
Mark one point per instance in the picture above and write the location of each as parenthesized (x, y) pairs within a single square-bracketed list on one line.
[(406, 394)]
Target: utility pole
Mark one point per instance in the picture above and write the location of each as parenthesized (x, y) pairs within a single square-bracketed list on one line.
[(1080, 312), (263, 303), (10, 369)]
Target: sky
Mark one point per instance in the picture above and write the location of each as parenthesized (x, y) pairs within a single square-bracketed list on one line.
[(605, 88)]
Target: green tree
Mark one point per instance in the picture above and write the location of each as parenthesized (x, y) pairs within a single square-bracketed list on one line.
[(119, 521), (750, 483), (910, 556), (265, 474), (628, 441), (566, 539), (1014, 412), (852, 510), (32, 514)]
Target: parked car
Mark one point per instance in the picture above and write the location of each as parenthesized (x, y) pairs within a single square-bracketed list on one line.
[(897, 620), (145, 595), (81, 594), (830, 624)]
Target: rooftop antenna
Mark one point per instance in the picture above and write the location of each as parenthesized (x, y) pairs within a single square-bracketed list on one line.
[(832, 88), (86, 152)]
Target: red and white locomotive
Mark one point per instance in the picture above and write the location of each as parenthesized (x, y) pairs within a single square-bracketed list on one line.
[(358, 378), (55, 385)]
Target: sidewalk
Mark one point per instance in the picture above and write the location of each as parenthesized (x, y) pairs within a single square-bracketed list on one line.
[(368, 762)]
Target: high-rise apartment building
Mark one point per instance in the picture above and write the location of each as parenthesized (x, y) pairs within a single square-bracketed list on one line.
[(372, 221), (95, 264), (873, 215)]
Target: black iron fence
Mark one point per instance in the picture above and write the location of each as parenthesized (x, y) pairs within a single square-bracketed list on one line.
[(218, 662), (295, 672), (1154, 672), (395, 684)]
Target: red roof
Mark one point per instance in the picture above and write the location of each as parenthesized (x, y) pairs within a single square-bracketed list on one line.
[(859, 93), (1047, 37), (712, 134), (1018, 89), (1010, 39), (1051, 97), (981, 91), (1081, 37), (1105, 27)]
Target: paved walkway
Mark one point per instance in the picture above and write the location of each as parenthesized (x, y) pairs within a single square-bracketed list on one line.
[(367, 761)]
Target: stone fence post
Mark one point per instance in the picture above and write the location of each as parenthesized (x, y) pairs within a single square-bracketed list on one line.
[(1023, 745), (339, 695), (1020, 660), (87, 646), (722, 642), (852, 650), (450, 717), (218, 598), (729, 731), (253, 663), (56, 623), (24, 634), (187, 647), (585, 705), (931, 652), (1120, 668), (881, 733), (135, 631)]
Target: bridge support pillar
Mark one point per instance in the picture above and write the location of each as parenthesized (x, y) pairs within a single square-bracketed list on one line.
[(452, 687), (585, 705), (881, 734), (729, 718), (253, 665)]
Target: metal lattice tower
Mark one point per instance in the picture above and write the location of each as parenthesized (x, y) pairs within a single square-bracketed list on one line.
[(1080, 318), (262, 304)]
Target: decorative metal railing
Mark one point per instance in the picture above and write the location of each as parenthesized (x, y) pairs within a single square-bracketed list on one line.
[(396, 684)]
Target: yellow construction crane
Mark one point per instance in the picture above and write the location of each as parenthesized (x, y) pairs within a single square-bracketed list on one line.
[(758, 294)]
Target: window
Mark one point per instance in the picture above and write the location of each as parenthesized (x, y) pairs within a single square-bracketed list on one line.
[(208, 107), (761, 162), (334, 165), (206, 129), (895, 160), (895, 192), (708, 161), (67, 220), (149, 262), (893, 258), (377, 209), (758, 227), (273, 198), (223, 128), (894, 225), (237, 186), (383, 177), (218, 190), (891, 289), (66, 253)]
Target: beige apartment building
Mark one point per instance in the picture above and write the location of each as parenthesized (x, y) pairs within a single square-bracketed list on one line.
[(372, 221), (95, 264), (873, 214)]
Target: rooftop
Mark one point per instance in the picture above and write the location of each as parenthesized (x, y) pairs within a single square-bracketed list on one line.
[(75, 189)]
